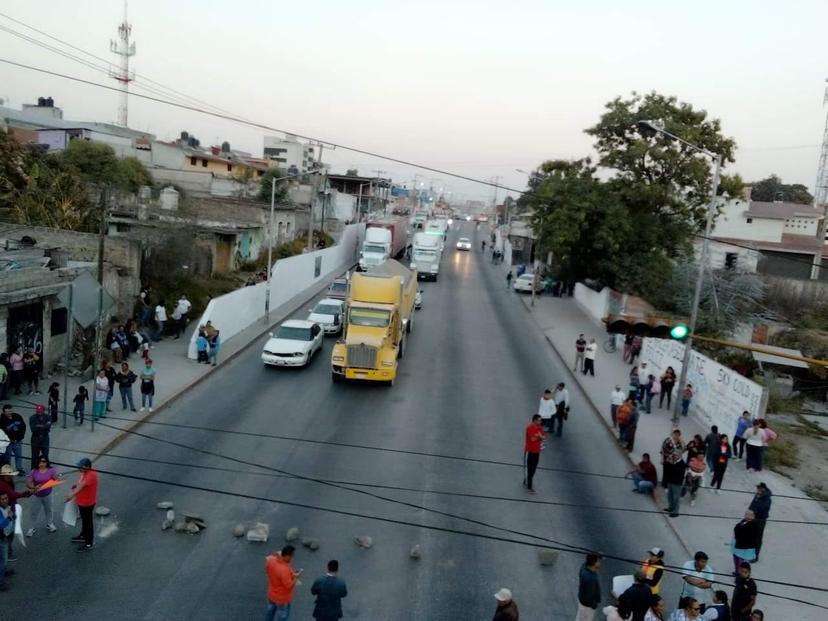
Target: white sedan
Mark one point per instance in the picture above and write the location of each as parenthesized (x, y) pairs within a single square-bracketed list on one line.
[(328, 314), (293, 344), (464, 243), (524, 283)]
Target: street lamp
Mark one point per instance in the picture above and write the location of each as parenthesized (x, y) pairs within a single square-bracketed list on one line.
[(711, 210), (270, 232)]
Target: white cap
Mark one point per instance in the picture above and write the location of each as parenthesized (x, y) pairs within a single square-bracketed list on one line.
[(503, 595), (656, 551)]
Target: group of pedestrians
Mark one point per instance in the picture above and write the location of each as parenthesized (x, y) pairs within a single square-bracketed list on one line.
[(20, 370), (208, 344), (282, 579), (175, 322), (104, 390), (585, 355), (642, 601)]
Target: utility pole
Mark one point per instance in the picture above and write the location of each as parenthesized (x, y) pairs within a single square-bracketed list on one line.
[(314, 197), (101, 246), (66, 357), (821, 190)]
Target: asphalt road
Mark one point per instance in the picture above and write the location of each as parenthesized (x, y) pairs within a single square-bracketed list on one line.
[(473, 371)]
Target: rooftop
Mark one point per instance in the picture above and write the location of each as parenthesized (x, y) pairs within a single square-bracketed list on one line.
[(781, 211)]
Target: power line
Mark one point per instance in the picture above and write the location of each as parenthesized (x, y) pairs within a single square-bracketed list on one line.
[(454, 531)]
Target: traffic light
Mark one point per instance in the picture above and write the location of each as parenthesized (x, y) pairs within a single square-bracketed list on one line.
[(652, 326)]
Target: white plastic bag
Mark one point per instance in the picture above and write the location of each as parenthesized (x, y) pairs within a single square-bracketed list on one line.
[(18, 523), (70, 513)]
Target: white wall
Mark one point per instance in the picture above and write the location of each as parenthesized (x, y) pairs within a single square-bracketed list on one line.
[(595, 304), (720, 394), (343, 206), (802, 226), (746, 259), (732, 223), (238, 310)]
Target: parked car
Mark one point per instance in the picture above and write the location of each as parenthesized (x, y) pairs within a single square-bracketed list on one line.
[(338, 289), (328, 314), (523, 283), (464, 243), (293, 344), (418, 299)]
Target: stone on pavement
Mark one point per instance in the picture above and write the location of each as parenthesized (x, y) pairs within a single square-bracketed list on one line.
[(102, 511), (363, 541), (193, 528), (239, 530), (292, 534), (166, 524), (171, 515), (260, 532), (547, 557), (416, 553), (180, 526), (164, 504), (310, 542)]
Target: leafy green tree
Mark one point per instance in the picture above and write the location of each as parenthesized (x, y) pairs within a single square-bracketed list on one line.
[(352, 172), (282, 194), (131, 174), (772, 189), (625, 230), (94, 162)]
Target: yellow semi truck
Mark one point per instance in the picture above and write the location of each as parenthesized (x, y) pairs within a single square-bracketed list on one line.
[(380, 315)]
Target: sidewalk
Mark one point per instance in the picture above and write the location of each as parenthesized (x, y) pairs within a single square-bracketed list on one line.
[(795, 553), (176, 374)]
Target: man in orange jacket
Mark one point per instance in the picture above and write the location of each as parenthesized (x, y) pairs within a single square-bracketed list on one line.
[(281, 579)]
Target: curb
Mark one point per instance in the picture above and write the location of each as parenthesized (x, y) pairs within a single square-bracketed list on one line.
[(124, 431), (669, 521)]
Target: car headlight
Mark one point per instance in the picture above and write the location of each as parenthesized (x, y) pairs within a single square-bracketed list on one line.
[(387, 363), (338, 358), (412, 266)]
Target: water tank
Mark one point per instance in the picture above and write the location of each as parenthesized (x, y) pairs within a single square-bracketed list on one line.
[(185, 137), (50, 103), (225, 147), (41, 101), (169, 198)]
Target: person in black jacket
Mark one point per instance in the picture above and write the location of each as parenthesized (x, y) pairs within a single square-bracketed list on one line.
[(329, 591), (745, 539), (761, 506), (589, 588), (15, 427), (637, 599), (40, 425), (126, 378)]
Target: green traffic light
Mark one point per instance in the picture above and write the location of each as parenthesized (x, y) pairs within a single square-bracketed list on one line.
[(679, 331)]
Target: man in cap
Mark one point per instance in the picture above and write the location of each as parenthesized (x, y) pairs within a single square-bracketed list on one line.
[(653, 568), (40, 424), (506, 608), (637, 599), (85, 495)]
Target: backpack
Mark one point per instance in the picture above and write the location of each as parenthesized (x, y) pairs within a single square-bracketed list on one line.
[(624, 414)]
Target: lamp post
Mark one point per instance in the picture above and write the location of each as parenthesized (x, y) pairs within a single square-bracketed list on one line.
[(270, 234), (708, 226)]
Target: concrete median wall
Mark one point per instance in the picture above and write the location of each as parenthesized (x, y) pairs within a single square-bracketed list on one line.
[(238, 310)]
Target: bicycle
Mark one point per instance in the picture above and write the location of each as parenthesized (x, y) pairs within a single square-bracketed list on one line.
[(609, 345)]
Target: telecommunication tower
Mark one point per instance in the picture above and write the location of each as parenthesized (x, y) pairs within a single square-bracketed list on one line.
[(821, 186), (124, 48)]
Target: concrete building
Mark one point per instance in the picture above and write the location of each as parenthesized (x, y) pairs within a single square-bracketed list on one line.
[(777, 239), (289, 153)]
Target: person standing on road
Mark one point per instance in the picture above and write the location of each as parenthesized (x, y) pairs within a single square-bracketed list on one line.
[(85, 495), (15, 428), (580, 348), (31, 370), (281, 580), (761, 506), (180, 315), (635, 384), (630, 426), (653, 390), (7, 474), (742, 425), (546, 410), (589, 588), (721, 457), (16, 362), (329, 591), (160, 320), (745, 540), (561, 397), (674, 471), (534, 436), (215, 345), (697, 577), (43, 498), (672, 451), (686, 399), (80, 400), (126, 378), (110, 376), (589, 357), (755, 441), (101, 395), (5, 376), (617, 398), (744, 594), (507, 609), (7, 517), (54, 401), (147, 385), (711, 445), (509, 279), (668, 380), (40, 426), (635, 601)]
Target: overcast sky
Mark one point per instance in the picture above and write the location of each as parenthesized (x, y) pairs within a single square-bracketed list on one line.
[(478, 88)]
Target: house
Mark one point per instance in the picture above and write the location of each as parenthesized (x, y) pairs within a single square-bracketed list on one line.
[(288, 153), (777, 239), (522, 238)]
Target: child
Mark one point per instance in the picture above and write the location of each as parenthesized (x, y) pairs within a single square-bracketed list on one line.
[(80, 406), (201, 347), (54, 398)]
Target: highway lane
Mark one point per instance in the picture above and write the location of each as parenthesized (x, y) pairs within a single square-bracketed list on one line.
[(470, 380)]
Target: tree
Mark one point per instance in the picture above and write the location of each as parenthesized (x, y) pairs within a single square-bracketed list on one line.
[(624, 231), (94, 162), (352, 172), (772, 189), (131, 174), (282, 194)]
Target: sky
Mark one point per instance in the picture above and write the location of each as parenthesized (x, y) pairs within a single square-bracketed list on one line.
[(476, 88)]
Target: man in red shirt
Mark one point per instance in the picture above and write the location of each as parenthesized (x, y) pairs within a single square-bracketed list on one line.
[(281, 579), (532, 448), (85, 495)]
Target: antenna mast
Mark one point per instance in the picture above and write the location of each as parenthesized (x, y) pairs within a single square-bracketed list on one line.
[(125, 49)]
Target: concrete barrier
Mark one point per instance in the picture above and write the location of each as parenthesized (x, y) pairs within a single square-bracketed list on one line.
[(235, 311)]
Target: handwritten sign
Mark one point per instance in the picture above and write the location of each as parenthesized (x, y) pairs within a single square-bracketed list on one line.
[(720, 395)]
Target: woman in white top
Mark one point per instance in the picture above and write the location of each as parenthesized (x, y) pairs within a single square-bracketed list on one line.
[(755, 441)]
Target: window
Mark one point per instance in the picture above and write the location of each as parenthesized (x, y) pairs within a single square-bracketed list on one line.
[(229, 168), (59, 321), (749, 220), (193, 160), (730, 260), (204, 163)]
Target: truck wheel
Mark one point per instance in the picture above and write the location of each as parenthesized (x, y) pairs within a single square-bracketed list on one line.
[(390, 383), (401, 351), (336, 378), (410, 325)]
